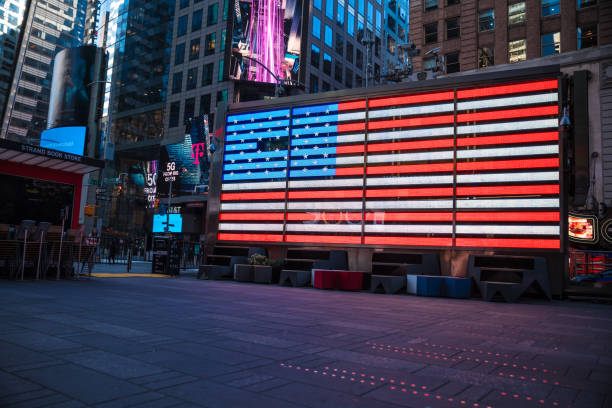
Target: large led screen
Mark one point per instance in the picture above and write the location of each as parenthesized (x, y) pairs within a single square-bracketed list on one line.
[(476, 167), (260, 29), (159, 223), (69, 139)]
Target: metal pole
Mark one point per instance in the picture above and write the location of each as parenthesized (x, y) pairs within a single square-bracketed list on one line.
[(167, 229), (59, 255), (42, 233), (25, 240)]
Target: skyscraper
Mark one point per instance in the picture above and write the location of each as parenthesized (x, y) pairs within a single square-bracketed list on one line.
[(47, 28), (11, 16)]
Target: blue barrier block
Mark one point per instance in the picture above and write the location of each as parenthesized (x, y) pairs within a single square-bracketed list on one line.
[(429, 285), (459, 288)]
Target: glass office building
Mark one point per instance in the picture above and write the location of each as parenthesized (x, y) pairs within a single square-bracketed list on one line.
[(11, 17), (136, 35), (47, 28)]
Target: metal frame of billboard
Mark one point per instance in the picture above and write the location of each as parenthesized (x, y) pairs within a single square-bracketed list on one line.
[(482, 79)]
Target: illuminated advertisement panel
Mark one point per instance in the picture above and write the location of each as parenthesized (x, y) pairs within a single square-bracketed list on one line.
[(465, 168), (261, 28), (582, 228)]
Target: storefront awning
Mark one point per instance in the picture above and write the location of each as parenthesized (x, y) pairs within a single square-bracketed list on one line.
[(46, 158)]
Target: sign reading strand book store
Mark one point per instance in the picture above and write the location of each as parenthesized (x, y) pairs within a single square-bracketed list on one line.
[(467, 167)]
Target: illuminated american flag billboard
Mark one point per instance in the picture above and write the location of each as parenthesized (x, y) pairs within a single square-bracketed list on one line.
[(473, 167)]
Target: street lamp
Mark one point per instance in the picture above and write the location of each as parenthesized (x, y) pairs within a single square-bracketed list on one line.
[(368, 42)]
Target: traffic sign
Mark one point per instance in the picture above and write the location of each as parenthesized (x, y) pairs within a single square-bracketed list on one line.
[(101, 190), (102, 197)]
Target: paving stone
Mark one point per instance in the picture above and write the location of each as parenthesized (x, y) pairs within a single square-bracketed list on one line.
[(601, 376), (111, 344), (451, 388), (210, 353), (267, 385), (187, 364), (170, 382), (81, 383), (375, 361), (156, 377), (11, 384), (214, 395), (589, 400), (112, 364), (145, 398), (311, 396), (165, 402), (39, 402), (37, 341)]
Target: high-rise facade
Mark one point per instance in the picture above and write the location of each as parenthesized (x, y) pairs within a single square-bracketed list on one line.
[(329, 46), (11, 16), (473, 34), (47, 28), (136, 35)]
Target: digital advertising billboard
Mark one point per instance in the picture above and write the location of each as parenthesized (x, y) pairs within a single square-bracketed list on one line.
[(176, 223), (259, 28), (463, 167), (69, 139)]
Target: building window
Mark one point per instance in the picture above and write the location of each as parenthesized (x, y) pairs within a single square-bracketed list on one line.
[(329, 9), (452, 2), (192, 78), (486, 20), (377, 45), (189, 110), (551, 43), (550, 7), (585, 3), (358, 81), (391, 24), (431, 33), (339, 44), (205, 104), (327, 62), (485, 57), (225, 9), (325, 86), (338, 71), (430, 63), (181, 29), (196, 20), (211, 40), (350, 52), (390, 45), (315, 56), (359, 59), (207, 74), (516, 13), (177, 82), (348, 78), (452, 63), (361, 6), (378, 20), (184, 3), (194, 49), (328, 36), (517, 51), (221, 96), (587, 36), (213, 14), (452, 28), (431, 5), (317, 4), (223, 38), (179, 54), (220, 73), (370, 16), (175, 108), (314, 83), (350, 24), (316, 27), (340, 15)]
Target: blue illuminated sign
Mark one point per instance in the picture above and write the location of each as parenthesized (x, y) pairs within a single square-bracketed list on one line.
[(159, 223), (65, 139)]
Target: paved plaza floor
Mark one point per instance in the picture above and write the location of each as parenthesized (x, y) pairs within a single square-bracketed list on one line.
[(181, 342)]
